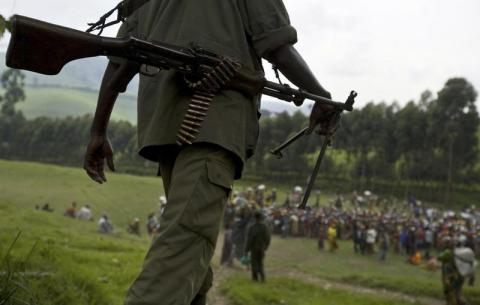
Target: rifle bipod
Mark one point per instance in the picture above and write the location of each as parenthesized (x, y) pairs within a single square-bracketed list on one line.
[(326, 142)]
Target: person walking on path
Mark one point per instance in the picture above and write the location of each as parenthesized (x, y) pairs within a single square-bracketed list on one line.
[(258, 241)]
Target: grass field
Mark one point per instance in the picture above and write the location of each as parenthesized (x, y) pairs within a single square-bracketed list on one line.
[(76, 265)]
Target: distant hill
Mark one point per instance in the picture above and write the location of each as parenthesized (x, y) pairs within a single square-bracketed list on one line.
[(61, 102), (85, 73), (74, 92)]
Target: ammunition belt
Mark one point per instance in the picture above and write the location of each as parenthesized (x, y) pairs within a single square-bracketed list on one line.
[(204, 90)]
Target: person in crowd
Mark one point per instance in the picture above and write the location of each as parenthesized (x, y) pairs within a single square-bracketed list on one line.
[(162, 203), (285, 224), (383, 246), (452, 279), (47, 208), (227, 256), (239, 231), (428, 242), (322, 233), (370, 240), (152, 224), (134, 227), (85, 213), (259, 196), (104, 225), (332, 236), (272, 198), (356, 236), (258, 241), (71, 211)]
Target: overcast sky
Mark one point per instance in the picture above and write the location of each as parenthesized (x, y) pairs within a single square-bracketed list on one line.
[(386, 50)]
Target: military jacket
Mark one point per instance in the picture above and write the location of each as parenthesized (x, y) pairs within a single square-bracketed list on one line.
[(244, 30)]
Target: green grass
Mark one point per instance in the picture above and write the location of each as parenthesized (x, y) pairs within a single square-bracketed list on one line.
[(291, 292), (89, 268), (85, 267), (342, 266), (62, 102), (24, 185)]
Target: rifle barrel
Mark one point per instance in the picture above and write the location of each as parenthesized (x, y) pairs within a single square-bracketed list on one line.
[(276, 90)]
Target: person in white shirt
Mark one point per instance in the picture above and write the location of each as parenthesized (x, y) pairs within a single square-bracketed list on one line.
[(85, 213), (371, 238)]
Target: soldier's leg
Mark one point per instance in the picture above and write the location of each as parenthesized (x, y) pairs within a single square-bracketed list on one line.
[(201, 297), (178, 261), (166, 163)]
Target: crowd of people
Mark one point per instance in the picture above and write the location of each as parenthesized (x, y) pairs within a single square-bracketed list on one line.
[(372, 225), (104, 224)]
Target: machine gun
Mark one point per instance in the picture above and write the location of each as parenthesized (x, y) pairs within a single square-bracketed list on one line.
[(46, 48)]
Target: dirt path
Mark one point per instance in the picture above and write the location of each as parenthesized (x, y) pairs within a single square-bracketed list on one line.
[(326, 284), (222, 273), (215, 297)]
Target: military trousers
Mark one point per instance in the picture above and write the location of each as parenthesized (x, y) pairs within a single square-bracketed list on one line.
[(197, 181)]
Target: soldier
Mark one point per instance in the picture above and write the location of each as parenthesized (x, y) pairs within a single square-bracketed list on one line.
[(197, 178), (258, 241)]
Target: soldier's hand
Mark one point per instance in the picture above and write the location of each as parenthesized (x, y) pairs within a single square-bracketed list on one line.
[(323, 118), (98, 151)]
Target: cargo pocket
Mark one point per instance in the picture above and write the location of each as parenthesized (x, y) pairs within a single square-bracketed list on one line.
[(220, 175), (204, 211)]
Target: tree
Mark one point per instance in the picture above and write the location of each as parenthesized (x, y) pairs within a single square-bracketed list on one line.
[(4, 26), (13, 82), (455, 120)]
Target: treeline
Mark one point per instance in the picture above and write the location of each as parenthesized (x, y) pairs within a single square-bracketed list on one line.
[(432, 141), (63, 141)]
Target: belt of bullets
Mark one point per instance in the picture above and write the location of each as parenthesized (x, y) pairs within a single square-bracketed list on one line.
[(204, 90)]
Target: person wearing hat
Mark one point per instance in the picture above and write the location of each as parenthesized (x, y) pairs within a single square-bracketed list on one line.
[(258, 241)]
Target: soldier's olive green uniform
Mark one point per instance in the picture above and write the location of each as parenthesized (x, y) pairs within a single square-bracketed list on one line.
[(197, 179)]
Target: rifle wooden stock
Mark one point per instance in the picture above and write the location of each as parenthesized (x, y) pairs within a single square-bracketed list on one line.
[(46, 48)]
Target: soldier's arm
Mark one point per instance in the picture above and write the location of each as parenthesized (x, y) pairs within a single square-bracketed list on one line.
[(289, 61), (99, 149)]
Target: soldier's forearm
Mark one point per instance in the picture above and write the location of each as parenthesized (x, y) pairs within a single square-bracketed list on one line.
[(108, 95), (293, 66)]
